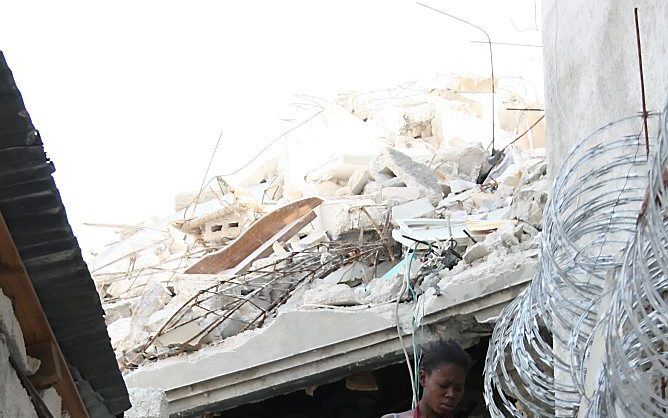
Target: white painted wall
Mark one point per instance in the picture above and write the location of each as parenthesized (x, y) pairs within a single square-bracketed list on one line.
[(591, 66), (592, 76)]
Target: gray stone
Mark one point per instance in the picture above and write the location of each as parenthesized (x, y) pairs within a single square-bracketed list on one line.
[(412, 173), (476, 252), (14, 400), (381, 290), (507, 233), (334, 295), (420, 208), (394, 182), (154, 297), (147, 403), (358, 181), (528, 204), (372, 188), (117, 310), (52, 401), (9, 326), (468, 160)]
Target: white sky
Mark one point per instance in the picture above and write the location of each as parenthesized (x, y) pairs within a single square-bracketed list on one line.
[(130, 96)]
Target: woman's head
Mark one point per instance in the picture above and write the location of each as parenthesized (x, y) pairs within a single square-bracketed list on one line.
[(443, 369)]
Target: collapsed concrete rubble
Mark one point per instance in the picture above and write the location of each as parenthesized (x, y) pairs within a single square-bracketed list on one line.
[(410, 211)]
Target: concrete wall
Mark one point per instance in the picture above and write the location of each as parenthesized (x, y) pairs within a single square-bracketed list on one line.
[(592, 76), (591, 66), (14, 400)]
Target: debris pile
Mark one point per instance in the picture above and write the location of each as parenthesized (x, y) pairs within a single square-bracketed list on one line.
[(385, 191)]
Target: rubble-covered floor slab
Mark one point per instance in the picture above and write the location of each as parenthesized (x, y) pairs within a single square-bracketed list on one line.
[(306, 348)]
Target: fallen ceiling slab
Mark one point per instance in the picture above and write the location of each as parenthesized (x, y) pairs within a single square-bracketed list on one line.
[(306, 348)]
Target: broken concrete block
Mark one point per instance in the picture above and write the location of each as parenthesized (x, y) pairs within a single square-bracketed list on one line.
[(315, 237), (186, 332), (333, 295), (128, 331), (471, 160), (535, 173), (52, 401), (9, 326), (445, 187), (124, 289), (468, 161), (188, 285), (458, 185), (340, 216), (379, 172), (507, 233), (119, 309), (372, 188), (322, 188), (355, 272), (343, 191), (420, 208), (14, 399), (446, 170), (119, 330), (147, 403), (528, 204), (246, 314), (220, 225), (412, 173), (33, 365), (486, 202), (487, 277), (400, 194), (476, 252), (358, 181), (381, 290), (518, 231), (394, 182)]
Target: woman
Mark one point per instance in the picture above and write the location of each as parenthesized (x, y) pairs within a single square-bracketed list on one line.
[(443, 371)]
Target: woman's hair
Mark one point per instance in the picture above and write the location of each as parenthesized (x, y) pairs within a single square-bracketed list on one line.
[(441, 352)]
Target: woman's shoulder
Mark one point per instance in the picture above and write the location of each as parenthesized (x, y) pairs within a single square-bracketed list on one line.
[(407, 414)]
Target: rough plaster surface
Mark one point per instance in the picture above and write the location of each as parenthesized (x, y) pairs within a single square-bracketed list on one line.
[(591, 67), (14, 401), (52, 401), (147, 403), (9, 326), (275, 342)]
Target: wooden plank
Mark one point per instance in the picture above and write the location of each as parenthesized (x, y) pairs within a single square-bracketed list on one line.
[(254, 237), (16, 284), (265, 249)]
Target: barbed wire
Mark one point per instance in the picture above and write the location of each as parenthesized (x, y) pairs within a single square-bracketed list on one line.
[(536, 362)]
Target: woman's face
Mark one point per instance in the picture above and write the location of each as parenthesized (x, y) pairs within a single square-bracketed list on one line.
[(443, 387)]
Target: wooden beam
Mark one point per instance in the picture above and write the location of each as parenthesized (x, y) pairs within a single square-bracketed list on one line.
[(254, 237), (16, 284)]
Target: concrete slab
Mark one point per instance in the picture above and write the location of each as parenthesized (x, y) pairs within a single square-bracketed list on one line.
[(329, 344)]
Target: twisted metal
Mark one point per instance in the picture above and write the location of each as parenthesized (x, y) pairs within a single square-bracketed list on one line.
[(536, 360), (258, 293), (633, 378)]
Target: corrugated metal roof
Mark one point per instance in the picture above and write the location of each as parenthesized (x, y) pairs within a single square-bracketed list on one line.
[(35, 215)]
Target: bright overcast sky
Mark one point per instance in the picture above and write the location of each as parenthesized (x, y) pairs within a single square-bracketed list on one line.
[(130, 96)]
